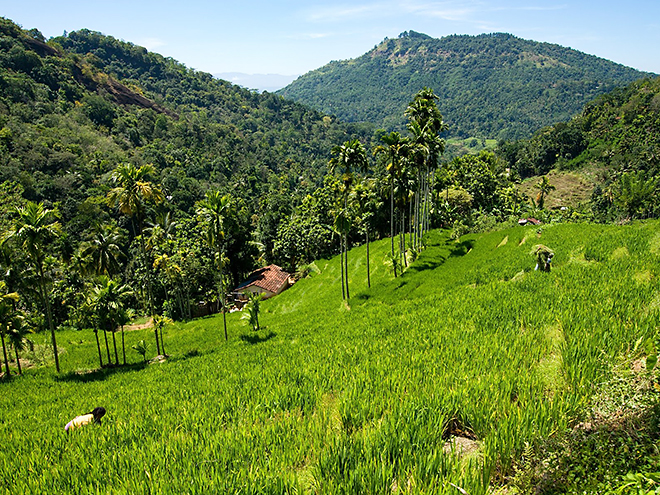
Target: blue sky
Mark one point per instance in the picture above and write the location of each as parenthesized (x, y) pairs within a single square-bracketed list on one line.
[(294, 37)]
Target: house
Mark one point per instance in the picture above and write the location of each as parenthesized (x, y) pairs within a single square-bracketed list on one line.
[(269, 281)]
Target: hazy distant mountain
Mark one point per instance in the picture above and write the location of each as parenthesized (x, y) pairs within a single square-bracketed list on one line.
[(492, 85), (261, 82)]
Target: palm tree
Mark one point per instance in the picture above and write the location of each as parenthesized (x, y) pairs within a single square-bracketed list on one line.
[(544, 188), (365, 200), (35, 227), (9, 319), (17, 338), (131, 193), (396, 149), (251, 310), (425, 124), (215, 210), (101, 253), (348, 158), (109, 296)]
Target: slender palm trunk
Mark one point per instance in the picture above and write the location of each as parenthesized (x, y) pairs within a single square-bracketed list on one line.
[(368, 270), (107, 346), (392, 217), (150, 296), (348, 295), (4, 352), (49, 316), (18, 361), (162, 342), (114, 343), (123, 345), (341, 264), (98, 346), (222, 294)]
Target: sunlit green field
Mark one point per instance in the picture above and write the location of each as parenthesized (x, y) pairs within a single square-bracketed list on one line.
[(349, 398)]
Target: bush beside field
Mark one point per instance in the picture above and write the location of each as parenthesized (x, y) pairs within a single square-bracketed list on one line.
[(366, 397)]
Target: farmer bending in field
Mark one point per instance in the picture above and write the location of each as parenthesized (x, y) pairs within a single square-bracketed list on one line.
[(543, 258), (94, 416)]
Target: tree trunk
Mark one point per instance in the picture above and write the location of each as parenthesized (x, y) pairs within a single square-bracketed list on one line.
[(150, 301), (107, 347), (368, 271), (123, 345), (114, 343), (341, 264), (162, 342), (18, 361), (98, 346), (4, 352), (222, 295), (348, 295), (49, 316), (392, 217)]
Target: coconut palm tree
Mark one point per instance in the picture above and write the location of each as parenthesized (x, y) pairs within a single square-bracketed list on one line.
[(35, 227), (348, 158), (214, 210), (132, 192), (101, 253)]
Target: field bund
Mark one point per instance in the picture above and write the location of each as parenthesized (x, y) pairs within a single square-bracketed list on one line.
[(425, 382)]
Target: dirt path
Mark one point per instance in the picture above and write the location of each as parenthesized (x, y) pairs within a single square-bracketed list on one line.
[(147, 324)]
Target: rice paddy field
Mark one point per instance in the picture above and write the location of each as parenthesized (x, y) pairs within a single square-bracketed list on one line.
[(374, 396)]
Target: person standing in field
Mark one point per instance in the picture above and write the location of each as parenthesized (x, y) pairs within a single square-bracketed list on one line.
[(544, 257), (94, 416)]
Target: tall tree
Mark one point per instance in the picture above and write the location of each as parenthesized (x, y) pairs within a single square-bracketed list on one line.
[(101, 254), (35, 227), (132, 192), (425, 125), (215, 209), (544, 188), (395, 150), (348, 158), (9, 318)]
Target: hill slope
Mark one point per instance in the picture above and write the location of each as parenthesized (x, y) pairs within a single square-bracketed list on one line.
[(490, 86), (469, 344)]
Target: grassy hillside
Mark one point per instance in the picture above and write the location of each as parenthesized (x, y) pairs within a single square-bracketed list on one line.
[(490, 86), (470, 343)]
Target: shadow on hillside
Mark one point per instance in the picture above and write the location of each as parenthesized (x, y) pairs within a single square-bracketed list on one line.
[(450, 249), (256, 338), (99, 373), (461, 248)]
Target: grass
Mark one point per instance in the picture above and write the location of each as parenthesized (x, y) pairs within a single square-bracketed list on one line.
[(351, 398)]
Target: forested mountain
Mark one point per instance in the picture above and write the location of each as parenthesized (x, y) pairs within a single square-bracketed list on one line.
[(490, 86), (73, 108)]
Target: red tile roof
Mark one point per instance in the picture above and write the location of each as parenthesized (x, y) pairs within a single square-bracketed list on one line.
[(270, 278)]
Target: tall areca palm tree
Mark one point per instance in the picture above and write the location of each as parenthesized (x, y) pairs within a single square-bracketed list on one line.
[(348, 158), (395, 150), (132, 192), (215, 209), (35, 227), (425, 124)]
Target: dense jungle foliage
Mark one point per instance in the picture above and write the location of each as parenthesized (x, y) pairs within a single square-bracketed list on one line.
[(490, 86), (617, 137)]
